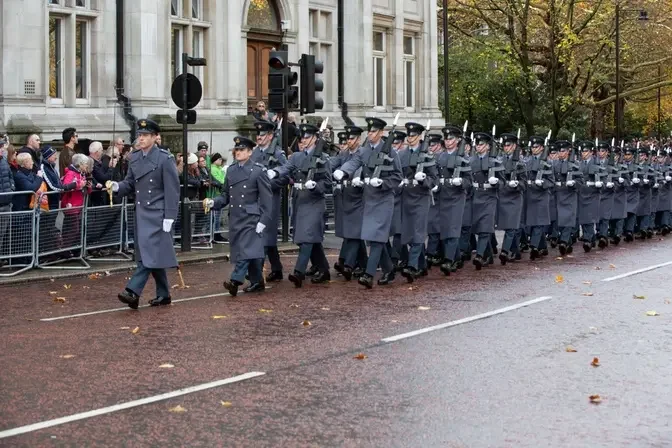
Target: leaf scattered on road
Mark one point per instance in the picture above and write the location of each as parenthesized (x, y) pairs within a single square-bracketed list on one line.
[(67, 286), (53, 293), (108, 273), (570, 349), (324, 308), (177, 409), (587, 282), (219, 316), (294, 305), (597, 268), (635, 296), (652, 313), (596, 362), (361, 356), (559, 258), (226, 404), (67, 356), (424, 308), (166, 366), (265, 311), (588, 294), (595, 399), (95, 276), (86, 287), (136, 330), (612, 266), (306, 323), (209, 261), (59, 299), (559, 279), (124, 328)]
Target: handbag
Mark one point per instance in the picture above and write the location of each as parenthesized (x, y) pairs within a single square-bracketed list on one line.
[(44, 204)]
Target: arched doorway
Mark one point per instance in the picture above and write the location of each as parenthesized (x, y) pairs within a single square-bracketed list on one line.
[(263, 22)]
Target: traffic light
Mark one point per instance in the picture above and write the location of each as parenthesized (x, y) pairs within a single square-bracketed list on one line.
[(310, 84), (292, 90), (277, 81)]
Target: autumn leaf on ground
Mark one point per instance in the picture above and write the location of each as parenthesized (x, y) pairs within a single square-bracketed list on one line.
[(136, 330), (86, 287), (559, 279), (569, 256), (612, 266), (174, 286), (570, 350), (652, 313), (67, 356), (166, 366), (219, 317), (209, 261), (595, 399), (293, 305), (262, 310), (635, 296), (324, 308), (67, 286), (424, 308), (226, 404), (410, 288), (95, 276), (177, 409), (587, 283), (52, 280), (361, 356), (108, 273), (588, 294), (306, 323), (596, 362), (59, 299), (559, 258), (53, 293)]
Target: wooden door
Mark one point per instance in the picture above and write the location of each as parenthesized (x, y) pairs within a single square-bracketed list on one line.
[(257, 72)]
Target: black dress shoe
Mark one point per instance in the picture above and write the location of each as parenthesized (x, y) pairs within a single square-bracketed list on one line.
[(629, 237), (255, 287), (641, 235), (422, 273), (321, 277), (554, 243), (543, 252), (478, 262), (446, 267), (665, 230), (274, 276), (615, 240), (357, 272), (587, 247), (490, 260), (387, 278), (409, 274), (562, 248), (400, 266), (297, 278), (346, 272), (129, 298), (503, 258), (534, 253), (366, 280), (312, 271), (517, 257), (570, 249), (466, 257), (158, 301), (338, 267), (459, 264), (232, 287), (602, 242), (649, 234)]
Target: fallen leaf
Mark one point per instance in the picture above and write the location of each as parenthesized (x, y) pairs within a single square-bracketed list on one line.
[(209, 261), (559, 279), (52, 280), (219, 317), (410, 288), (635, 296), (667, 301), (587, 283), (593, 329), (612, 266), (108, 273), (86, 287), (293, 305), (424, 308), (59, 299), (166, 366), (95, 276), (569, 256), (177, 409), (536, 268), (174, 286), (587, 294), (67, 286), (67, 356), (124, 328), (570, 350), (597, 268), (361, 356), (394, 321), (53, 293), (595, 399), (262, 310), (652, 313), (226, 404), (136, 330), (596, 362), (306, 323), (325, 308)]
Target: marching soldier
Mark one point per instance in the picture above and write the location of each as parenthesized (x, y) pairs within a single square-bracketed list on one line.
[(511, 194), (644, 205), (486, 171), (454, 178), (311, 173), (419, 172), (152, 176), (268, 153), (338, 199), (434, 249), (665, 198), (381, 170), (465, 231), (619, 210), (539, 183), (606, 161), (248, 193), (655, 190), (398, 253), (568, 180), (589, 196), (632, 190), (552, 231)]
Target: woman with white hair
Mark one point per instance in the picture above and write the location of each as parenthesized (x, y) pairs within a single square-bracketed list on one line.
[(25, 179), (81, 166)]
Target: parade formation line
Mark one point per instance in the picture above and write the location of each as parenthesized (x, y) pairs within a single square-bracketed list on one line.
[(127, 405)]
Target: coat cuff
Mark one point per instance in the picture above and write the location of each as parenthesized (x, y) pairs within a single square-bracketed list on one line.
[(170, 213)]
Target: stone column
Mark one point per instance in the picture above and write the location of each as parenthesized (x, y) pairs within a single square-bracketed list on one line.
[(396, 58), (358, 41)]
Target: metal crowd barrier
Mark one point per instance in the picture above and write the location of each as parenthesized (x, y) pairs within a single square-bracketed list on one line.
[(17, 235), (201, 226), (105, 230), (129, 230)]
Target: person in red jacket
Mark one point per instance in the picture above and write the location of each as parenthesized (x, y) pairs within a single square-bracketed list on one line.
[(74, 200)]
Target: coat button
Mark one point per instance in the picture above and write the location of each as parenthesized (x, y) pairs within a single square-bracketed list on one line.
[(138, 203), (244, 186), (147, 203), (149, 191), (151, 180), (137, 192), (242, 195), (239, 205)]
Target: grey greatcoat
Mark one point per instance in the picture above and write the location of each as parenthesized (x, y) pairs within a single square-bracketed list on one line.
[(566, 198), (644, 204), (335, 163), (415, 198), (247, 191), (619, 207), (665, 195), (154, 180), (589, 197), (655, 193), (278, 158), (510, 205), (484, 207), (395, 228), (352, 201), (538, 198), (607, 194), (308, 206), (632, 189), (468, 205), (378, 201), (452, 198)]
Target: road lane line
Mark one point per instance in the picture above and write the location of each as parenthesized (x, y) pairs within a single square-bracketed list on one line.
[(466, 319), (638, 271), (127, 405)]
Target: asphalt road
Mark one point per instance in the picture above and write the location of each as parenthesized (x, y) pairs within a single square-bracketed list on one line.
[(479, 359)]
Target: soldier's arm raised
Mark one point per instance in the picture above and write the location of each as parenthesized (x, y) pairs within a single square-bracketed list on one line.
[(265, 199), (171, 189)]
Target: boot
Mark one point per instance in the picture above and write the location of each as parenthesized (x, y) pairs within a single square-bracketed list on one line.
[(321, 277), (312, 271), (158, 301), (629, 237), (587, 247), (478, 262), (446, 267), (366, 280), (386, 279), (129, 298), (255, 287), (602, 243), (534, 253), (409, 274), (274, 276), (346, 272), (503, 257), (232, 287), (297, 278)]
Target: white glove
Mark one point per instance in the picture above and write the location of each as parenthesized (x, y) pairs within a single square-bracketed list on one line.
[(357, 182), (415, 183), (167, 224), (668, 178), (599, 184), (442, 181), (420, 177), (260, 227), (493, 181), (656, 185), (590, 184), (456, 181), (610, 185), (538, 182), (272, 174), (367, 180), (338, 175), (621, 180), (209, 203), (298, 187), (40, 173), (435, 189), (636, 180), (646, 181), (403, 182), (376, 182), (115, 186), (310, 184), (513, 183), (571, 183)]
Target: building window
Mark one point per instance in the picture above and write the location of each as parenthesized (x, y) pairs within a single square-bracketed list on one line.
[(55, 58), (81, 3), (262, 15), (379, 62), (197, 9), (52, 2), (197, 50), (176, 8), (177, 45), (321, 45), (81, 60), (409, 72)]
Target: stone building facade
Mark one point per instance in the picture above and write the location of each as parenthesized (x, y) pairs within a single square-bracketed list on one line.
[(60, 64)]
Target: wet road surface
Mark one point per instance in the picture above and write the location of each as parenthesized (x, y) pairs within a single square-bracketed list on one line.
[(480, 380)]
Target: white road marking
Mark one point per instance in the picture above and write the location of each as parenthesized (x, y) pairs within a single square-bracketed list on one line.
[(127, 405), (466, 319), (638, 271)]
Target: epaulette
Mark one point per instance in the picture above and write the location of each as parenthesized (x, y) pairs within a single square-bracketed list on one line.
[(260, 166), (165, 151)]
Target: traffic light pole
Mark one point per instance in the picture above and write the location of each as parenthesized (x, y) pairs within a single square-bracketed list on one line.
[(185, 221), (285, 190)]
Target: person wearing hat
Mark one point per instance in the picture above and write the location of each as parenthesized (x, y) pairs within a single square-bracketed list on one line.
[(540, 181), (632, 191), (398, 252), (511, 194), (378, 164), (568, 180), (643, 211), (270, 155), (657, 179), (310, 171), (552, 234), (663, 216), (152, 176), (350, 216), (247, 191), (434, 248), (202, 151), (621, 179), (51, 177), (607, 194), (454, 177), (589, 195)]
